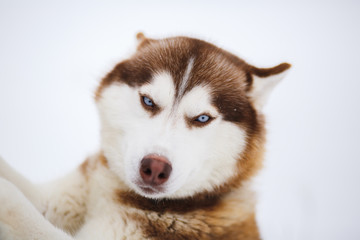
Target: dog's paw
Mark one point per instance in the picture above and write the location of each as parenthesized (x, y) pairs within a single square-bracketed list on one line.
[(9, 196), (10, 202), (19, 219)]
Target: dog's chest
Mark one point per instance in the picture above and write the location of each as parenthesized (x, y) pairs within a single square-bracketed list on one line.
[(124, 222), (119, 221)]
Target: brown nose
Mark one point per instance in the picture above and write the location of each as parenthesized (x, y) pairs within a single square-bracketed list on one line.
[(155, 170)]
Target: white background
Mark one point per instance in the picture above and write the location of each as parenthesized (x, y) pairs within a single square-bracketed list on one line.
[(52, 55)]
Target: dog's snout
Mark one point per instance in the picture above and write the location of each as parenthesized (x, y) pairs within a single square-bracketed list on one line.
[(155, 170)]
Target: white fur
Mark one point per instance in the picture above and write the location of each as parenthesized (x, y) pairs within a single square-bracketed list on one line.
[(28, 189), (186, 77), (105, 217), (69, 192), (263, 86), (20, 220), (161, 90)]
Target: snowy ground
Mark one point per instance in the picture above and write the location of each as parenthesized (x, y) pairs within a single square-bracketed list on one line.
[(53, 54)]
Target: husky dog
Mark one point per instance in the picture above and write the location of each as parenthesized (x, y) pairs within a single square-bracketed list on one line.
[(182, 135)]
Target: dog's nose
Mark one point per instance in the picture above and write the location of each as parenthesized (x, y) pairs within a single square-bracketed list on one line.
[(155, 170)]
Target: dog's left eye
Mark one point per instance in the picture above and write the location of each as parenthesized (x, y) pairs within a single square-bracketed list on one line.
[(203, 118), (200, 120)]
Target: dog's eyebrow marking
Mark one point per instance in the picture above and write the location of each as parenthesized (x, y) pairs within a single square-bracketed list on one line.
[(186, 77)]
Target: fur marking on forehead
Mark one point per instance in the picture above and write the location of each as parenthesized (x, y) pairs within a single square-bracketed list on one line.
[(186, 77)]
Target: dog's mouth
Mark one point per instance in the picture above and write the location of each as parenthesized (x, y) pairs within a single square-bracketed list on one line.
[(150, 190)]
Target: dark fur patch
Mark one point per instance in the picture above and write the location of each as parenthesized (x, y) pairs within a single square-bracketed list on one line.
[(88, 166), (266, 72), (203, 201), (157, 226), (84, 168)]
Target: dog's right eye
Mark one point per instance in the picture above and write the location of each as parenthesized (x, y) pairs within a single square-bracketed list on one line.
[(149, 105), (147, 101)]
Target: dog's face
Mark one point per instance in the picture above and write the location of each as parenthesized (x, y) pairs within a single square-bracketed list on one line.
[(178, 116)]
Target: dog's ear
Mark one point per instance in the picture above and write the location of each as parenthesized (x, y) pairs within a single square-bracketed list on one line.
[(142, 40), (263, 80)]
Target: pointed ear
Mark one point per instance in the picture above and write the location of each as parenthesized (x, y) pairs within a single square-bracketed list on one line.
[(262, 82), (142, 40)]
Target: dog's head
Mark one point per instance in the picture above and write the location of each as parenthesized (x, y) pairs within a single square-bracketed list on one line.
[(182, 117)]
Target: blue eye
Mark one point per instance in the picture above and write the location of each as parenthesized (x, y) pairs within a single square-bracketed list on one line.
[(203, 118), (148, 101)]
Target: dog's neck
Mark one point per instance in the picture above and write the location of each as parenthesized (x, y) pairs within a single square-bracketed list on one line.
[(183, 205)]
